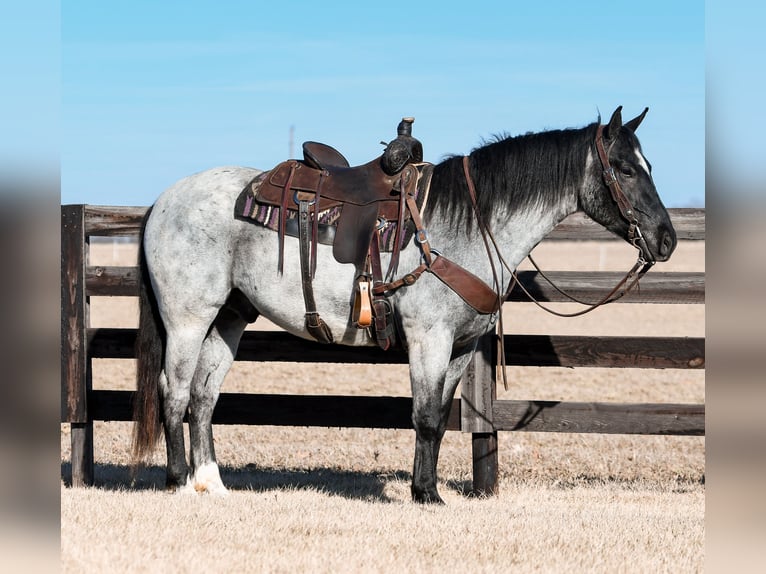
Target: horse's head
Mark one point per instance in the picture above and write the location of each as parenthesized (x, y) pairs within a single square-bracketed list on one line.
[(624, 200)]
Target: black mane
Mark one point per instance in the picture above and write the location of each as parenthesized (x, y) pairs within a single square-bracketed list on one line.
[(512, 173)]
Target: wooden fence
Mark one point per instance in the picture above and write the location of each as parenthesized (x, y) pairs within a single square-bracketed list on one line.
[(477, 410)]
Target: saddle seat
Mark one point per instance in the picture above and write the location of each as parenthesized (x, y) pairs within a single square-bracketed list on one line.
[(334, 185), (321, 156)]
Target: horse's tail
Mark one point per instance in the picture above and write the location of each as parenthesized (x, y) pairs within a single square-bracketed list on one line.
[(150, 355)]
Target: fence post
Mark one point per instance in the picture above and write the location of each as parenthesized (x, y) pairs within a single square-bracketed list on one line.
[(478, 393), (75, 363)]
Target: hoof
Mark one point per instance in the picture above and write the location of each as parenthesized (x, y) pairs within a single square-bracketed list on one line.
[(182, 490), (427, 497), (207, 479), (178, 485), (218, 490)]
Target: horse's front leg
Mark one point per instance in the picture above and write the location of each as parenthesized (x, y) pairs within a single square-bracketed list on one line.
[(435, 370), (216, 357)]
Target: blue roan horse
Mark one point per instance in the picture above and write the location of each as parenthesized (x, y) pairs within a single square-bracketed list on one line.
[(212, 274)]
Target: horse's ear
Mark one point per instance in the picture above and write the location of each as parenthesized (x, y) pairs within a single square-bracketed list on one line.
[(614, 125), (633, 124)]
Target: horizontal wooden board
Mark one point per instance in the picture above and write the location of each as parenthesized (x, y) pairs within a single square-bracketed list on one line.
[(125, 221), (622, 352), (655, 287), (113, 221), (395, 412), (606, 418), (287, 410), (591, 287), (689, 224), (111, 281), (521, 350)]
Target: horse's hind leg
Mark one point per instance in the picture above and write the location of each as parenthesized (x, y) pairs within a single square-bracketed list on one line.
[(216, 357), (181, 356)]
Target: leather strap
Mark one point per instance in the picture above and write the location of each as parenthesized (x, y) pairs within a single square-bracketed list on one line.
[(486, 235), (373, 259), (635, 236), (385, 331), (283, 217), (470, 288), (421, 233), (475, 292), (610, 179), (315, 227), (408, 279), (400, 232), (385, 334), (624, 286), (316, 327)]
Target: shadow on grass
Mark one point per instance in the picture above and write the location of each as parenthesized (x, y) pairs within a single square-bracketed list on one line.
[(462, 487), (334, 482)]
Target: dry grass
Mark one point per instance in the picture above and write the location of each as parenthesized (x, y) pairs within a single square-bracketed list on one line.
[(607, 528), (321, 500)]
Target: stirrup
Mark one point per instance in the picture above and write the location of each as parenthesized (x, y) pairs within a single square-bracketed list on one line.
[(362, 314)]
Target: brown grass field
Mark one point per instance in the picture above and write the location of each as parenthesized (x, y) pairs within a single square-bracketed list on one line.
[(337, 500)]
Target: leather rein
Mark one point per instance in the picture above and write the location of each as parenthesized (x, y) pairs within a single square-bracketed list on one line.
[(645, 258)]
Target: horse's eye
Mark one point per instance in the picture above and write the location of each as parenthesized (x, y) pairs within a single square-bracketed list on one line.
[(627, 170)]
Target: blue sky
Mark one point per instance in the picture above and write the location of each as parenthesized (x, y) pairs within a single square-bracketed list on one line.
[(154, 91)]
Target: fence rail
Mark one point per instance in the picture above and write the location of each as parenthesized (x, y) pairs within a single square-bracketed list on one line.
[(476, 411), (520, 350)]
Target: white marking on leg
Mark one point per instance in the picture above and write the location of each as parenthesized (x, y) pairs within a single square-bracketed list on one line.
[(186, 490), (207, 478)]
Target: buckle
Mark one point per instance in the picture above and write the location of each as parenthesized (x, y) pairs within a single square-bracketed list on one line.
[(422, 236), (610, 178), (297, 200), (409, 279)]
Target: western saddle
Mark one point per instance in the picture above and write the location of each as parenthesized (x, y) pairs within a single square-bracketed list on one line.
[(364, 200)]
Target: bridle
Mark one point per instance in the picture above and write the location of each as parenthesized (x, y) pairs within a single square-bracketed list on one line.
[(635, 237), (643, 263)]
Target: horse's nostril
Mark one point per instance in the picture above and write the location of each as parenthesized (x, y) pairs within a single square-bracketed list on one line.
[(666, 245)]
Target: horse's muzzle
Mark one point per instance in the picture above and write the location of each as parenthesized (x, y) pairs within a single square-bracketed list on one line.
[(666, 244)]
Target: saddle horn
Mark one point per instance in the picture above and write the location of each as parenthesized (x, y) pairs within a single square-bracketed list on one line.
[(403, 150)]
